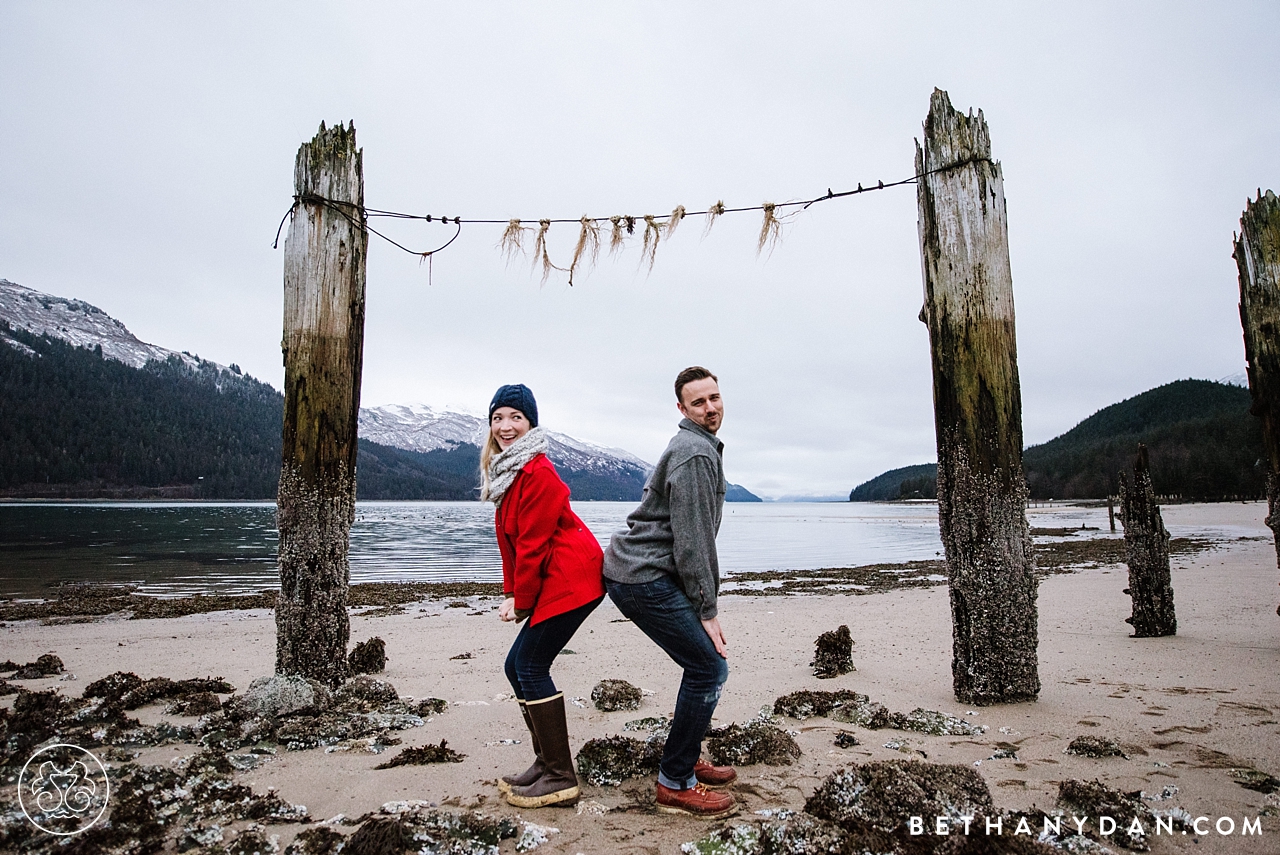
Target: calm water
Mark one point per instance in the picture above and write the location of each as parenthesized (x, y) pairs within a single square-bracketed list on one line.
[(171, 549)]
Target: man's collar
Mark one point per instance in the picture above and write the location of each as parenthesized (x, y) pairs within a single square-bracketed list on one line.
[(691, 425)]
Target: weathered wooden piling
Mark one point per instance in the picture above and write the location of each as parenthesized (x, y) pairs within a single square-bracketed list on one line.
[(982, 491), (324, 282), (1257, 255), (1147, 552)]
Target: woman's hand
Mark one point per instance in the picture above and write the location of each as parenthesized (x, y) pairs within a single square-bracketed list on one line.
[(507, 611)]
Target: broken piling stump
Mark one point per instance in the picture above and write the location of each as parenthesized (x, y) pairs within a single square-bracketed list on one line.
[(1257, 255), (324, 281), (1146, 544), (977, 400)]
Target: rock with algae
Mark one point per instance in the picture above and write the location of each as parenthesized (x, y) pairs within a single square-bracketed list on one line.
[(878, 798), (833, 654), (45, 665), (1093, 799), (855, 708), (751, 743), (613, 759), (787, 833), (1095, 746), (806, 703), (402, 827), (612, 695), (368, 657)]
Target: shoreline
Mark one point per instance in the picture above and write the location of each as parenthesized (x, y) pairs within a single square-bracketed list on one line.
[(1194, 711)]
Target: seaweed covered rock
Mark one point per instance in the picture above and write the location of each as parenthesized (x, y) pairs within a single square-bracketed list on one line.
[(785, 833), (933, 723), (199, 703), (806, 703), (872, 715), (128, 691), (754, 742), (612, 760), (845, 739), (427, 830), (430, 706), (833, 654), (878, 798), (415, 756), (363, 693), (280, 695), (381, 835), (1095, 746), (1097, 801), (1004, 844), (321, 840), (612, 695), (368, 657), (45, 666)]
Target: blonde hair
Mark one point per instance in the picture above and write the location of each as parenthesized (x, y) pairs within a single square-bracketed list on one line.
[(488, 449)]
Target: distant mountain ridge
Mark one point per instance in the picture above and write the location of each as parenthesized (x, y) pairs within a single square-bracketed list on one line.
[(68, 370), (1201, 439)]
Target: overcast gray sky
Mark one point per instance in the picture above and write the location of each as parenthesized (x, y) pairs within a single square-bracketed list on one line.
[(146, 157)]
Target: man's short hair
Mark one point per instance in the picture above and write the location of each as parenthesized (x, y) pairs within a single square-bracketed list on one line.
[(689, 375)]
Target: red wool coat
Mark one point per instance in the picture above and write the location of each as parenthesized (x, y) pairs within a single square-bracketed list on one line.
[(551, 562)]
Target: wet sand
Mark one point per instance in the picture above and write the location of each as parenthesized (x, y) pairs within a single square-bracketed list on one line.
[(1186, 709)]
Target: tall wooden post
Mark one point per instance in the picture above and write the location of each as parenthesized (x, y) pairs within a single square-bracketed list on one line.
[(1146, 544), (977, 402), (1257, 254), (324, 277)]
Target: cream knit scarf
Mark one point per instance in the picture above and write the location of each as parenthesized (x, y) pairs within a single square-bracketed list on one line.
[(506, 465)]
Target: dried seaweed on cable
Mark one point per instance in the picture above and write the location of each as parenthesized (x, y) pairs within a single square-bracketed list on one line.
[(588, 245), (652, 234), (512, 242), (674, 220), (770, 229), (615, 236), (540, 255), (714, 211)]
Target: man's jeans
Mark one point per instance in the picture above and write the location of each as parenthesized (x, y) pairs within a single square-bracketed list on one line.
[(662, 611)]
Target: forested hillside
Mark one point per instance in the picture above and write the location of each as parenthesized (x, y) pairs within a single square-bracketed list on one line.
[(73, 424), (1203, 444)]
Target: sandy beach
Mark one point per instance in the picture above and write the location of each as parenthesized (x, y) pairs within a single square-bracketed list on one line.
[(1187, 710)]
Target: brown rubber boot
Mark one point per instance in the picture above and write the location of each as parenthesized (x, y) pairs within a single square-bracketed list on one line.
[(558, 784), (534, 772)]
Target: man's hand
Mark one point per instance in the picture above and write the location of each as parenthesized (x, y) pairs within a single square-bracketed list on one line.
[(716, 634), (507, 611)]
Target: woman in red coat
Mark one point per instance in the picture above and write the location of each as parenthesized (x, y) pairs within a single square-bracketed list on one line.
[(551, 574)]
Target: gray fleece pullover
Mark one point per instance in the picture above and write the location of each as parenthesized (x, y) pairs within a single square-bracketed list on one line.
[(674, 529)]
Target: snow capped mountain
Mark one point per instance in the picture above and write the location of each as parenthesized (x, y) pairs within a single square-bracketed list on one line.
[(419, 427), (78, 323)]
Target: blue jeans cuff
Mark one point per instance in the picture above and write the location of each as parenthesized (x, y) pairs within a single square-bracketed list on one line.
[(673, 784)]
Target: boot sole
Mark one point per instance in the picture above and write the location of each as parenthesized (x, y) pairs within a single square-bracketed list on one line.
[(567, 797), (686, 812)]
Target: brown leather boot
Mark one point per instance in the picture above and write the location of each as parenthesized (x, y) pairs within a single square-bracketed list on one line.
[(714, 776), (534, 772), (559, 783), (696, 801)]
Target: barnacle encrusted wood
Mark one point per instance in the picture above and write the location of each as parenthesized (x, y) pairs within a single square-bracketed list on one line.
[(982, 492), (324, 281), (1147, 553), (1257, 255)]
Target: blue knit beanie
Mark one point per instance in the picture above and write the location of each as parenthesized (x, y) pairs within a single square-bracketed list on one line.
[(518, 397)]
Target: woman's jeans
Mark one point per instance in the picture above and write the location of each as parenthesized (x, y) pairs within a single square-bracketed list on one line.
[(662, 611), (536, 647)]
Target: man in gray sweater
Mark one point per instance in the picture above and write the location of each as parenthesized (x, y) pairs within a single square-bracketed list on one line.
[(662, 572)]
